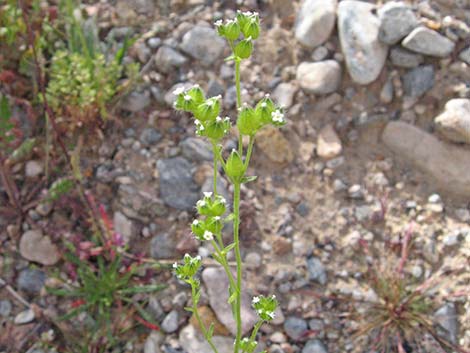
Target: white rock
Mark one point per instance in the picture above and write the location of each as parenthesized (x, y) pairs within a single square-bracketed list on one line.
[(33, 169), (428, 42), (319, 78), (444, 163), (38, 248), (454, 122), (328, 143), (24, 317), (358, 30), (284, 94), (315, 22), (192, 342)]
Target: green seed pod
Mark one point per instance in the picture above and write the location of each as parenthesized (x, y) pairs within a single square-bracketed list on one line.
[(208, 110), (232, 30), (217, 129), (248, 122), (242, 18), (251, 28), (220, 28), (244, 48), (198, 228), (183, 100), (214, 224), (218, 206), (264, 109), (204, 206), (197, 95), (234, 166)]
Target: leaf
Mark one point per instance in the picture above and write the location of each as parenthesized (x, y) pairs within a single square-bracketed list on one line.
[(60, 292), (248, 179), (210, 331), (230, 58), (143, 289), (228, 248), (188, 308), (232, 298), (123, 50)]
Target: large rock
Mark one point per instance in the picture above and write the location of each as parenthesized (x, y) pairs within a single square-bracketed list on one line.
[(38, 248), (216, 282), (454, 122), (177, 187), (358, 30), (315, 22), (396, 21), (444, 163), (418, 81), (428, 42), (320, 77), (203, 43), (404, 58)]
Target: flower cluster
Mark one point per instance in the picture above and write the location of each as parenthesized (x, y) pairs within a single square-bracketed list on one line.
[(212, 209), (188, 269), (265, 307), (206, 112), (250, 120), (247, 345)]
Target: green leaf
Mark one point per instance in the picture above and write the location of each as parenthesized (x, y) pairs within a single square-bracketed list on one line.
[(60, 292), (232, 298), (248, 179), (230, 58), (228, 248), (188, 308), (210, 331), (143, 289)]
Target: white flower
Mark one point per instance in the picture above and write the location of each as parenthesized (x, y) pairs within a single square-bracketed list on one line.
[(195, 222), (208, 235), (198, 258), (187, 97), (255, 300), (201, 203), (218, 119), (207, 194), (217, 218), (178, 91), (271, 315), (197, 122), (264, 105), (218, 23), (175, 265), (277, 116), (210, 102), (186, 256), (227, 118), (267, 95)]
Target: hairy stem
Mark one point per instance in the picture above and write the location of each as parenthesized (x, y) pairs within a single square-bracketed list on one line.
[(214, 151), (250, 150), (236, 222), (198, 318), (239, 100)]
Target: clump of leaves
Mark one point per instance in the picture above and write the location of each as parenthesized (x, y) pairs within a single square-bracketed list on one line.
[(105, 285), (400, 318), (83, 78)]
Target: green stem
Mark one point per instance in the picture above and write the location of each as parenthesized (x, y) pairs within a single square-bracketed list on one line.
[(255, 330), (250, 150), (225, 265), (214, 151), (239, 100), (199, 320), (236, 222)]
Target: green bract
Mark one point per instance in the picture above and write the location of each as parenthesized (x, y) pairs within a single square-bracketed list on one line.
[(248, 121), (247, 345), (208, 110), (244, 48), (234, 167), (188, 269), (265, 307), (264, 109), (217, 128), (211, 205)]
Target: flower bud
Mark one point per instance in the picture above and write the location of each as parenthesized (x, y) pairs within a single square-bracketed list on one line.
[(248, 122), (208, 110), (264, 109), (251, 28), (188, 269), (242, 18), (197, 95), (216, 129), (234, 166), (232, 30), (219, 25), (244, 48)]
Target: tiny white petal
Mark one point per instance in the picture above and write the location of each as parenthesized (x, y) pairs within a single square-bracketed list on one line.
[(218, 119), (178, 91), (207, 194), (187, 97)]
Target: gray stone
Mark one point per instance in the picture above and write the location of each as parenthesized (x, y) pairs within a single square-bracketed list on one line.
[(196, 149), (168, 59), (386, 94), (31, 280), (170, 322), (215, 88), (418, 81), (153, 342), (24, 317), (192, 342), (143, 52), (5, 307), (136, 101), (38, 248), (216, 282), (320, 53), (454, 122), (34, 169), (203, 43), (316, 271), (315, 22), (445, 164), (123, 226), (150, 136), (163, 246), (319, 78), (314, 346), (404, 58), (284, 94), (465, 55), (177, 187), (447, 318), (154, 42), (295, 327), (428, 42), (358, 33), (397, 20)]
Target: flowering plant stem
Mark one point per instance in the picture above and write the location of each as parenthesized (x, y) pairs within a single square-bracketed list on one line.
[(211, 209)]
